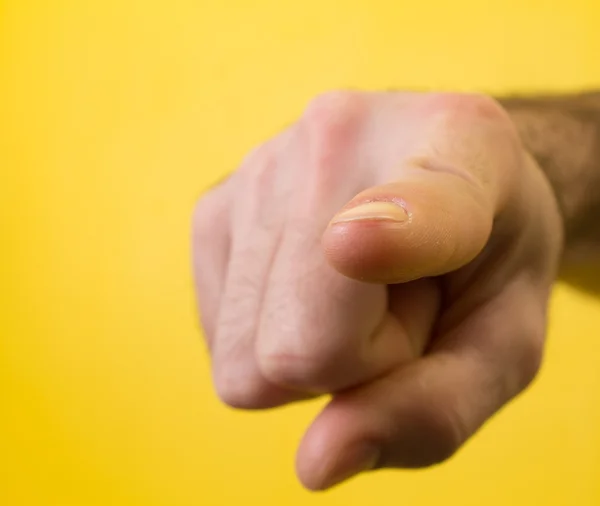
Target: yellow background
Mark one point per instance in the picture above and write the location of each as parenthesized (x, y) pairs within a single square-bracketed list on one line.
[(114, 116)]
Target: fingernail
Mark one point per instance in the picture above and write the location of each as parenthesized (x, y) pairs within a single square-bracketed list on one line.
[(364, 459), (385, 211)]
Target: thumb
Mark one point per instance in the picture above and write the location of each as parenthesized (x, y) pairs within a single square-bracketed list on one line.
[(427, 223)]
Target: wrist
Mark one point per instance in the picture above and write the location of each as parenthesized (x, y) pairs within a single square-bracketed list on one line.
[(563, 135)]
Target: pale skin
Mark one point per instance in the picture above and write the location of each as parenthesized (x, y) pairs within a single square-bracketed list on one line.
[(394, 250)]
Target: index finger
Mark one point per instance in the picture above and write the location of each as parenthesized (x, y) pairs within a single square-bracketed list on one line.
[(421, 414)]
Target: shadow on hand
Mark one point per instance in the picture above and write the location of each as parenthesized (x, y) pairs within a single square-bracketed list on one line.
[(584, 276)]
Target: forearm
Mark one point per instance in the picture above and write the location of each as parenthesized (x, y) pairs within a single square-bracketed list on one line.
[(563, 135)]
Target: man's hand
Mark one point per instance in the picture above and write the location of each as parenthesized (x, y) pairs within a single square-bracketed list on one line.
[(394, 250)]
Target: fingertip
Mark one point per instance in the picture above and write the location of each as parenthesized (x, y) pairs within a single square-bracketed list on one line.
[(367, 250), (362, 240), (419, 227), (385, 251), (321, 465)]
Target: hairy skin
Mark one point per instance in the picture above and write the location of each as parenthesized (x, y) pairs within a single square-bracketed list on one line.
[(397, 251), (563, 134)]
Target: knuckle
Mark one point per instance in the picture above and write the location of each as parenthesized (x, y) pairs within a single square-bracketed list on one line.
[(262, 174), (246, 392), (441, 433), (203, 217), (526, 349), (467, 106), (465, 114), (210, 210), (331, 120), (332, 109), (476, 131), (260, 179), (287, 368), (258, 157), (532, 352)]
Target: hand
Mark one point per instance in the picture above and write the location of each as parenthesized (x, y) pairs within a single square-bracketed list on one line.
[(395, 250)]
